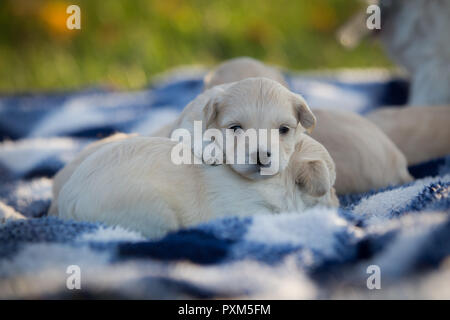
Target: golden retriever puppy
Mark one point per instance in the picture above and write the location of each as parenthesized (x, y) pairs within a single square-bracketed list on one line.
[(249, 104), (65, 173), (421, 133), (365, 158), (241, 68), (134, 183)]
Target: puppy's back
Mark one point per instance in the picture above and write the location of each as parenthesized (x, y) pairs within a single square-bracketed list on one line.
[(132, 183), (421, 133), (65, 173), (365, 157)]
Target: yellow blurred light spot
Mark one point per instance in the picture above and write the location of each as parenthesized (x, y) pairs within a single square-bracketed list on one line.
[(53, 14)]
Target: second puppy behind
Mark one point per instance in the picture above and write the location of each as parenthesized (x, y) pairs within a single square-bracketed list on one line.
[(422, 133)]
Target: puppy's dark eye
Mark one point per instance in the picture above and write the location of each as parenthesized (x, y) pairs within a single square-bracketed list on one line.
[(235, 128), (283, 129)]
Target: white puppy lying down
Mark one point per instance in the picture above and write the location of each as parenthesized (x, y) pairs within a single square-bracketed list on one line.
[(365, 157), (316, 172), (133, 183), (91, 192), (421, 133), (254, 103)]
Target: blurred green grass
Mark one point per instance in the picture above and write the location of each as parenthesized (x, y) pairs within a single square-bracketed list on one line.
[(123, 43)]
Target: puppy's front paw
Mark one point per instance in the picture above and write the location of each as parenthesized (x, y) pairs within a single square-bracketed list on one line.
[(314, 178)]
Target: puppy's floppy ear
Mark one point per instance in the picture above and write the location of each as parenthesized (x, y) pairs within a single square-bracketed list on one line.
[(304, 115), (210, 111)]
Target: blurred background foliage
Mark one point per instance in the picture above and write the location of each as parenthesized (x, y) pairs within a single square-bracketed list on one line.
[(123, 43)]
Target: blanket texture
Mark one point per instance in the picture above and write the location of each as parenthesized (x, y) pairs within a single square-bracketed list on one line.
[(402, 231)]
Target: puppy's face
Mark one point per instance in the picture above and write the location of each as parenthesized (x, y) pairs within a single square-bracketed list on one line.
[(251, 107)]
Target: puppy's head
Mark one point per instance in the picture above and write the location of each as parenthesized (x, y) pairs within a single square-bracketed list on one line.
[(241, 68), (263, 107)]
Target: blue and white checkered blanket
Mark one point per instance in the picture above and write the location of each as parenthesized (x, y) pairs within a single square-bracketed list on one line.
[(404, 231)]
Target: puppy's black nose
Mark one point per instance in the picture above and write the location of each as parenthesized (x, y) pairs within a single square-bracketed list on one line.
[(265, 160)]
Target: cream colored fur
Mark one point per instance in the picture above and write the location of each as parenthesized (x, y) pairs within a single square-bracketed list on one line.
[(133, 183), (421, 133), (314, 171), (65, 173)]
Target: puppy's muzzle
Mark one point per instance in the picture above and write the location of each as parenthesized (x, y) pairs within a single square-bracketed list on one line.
[(263, 158)]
